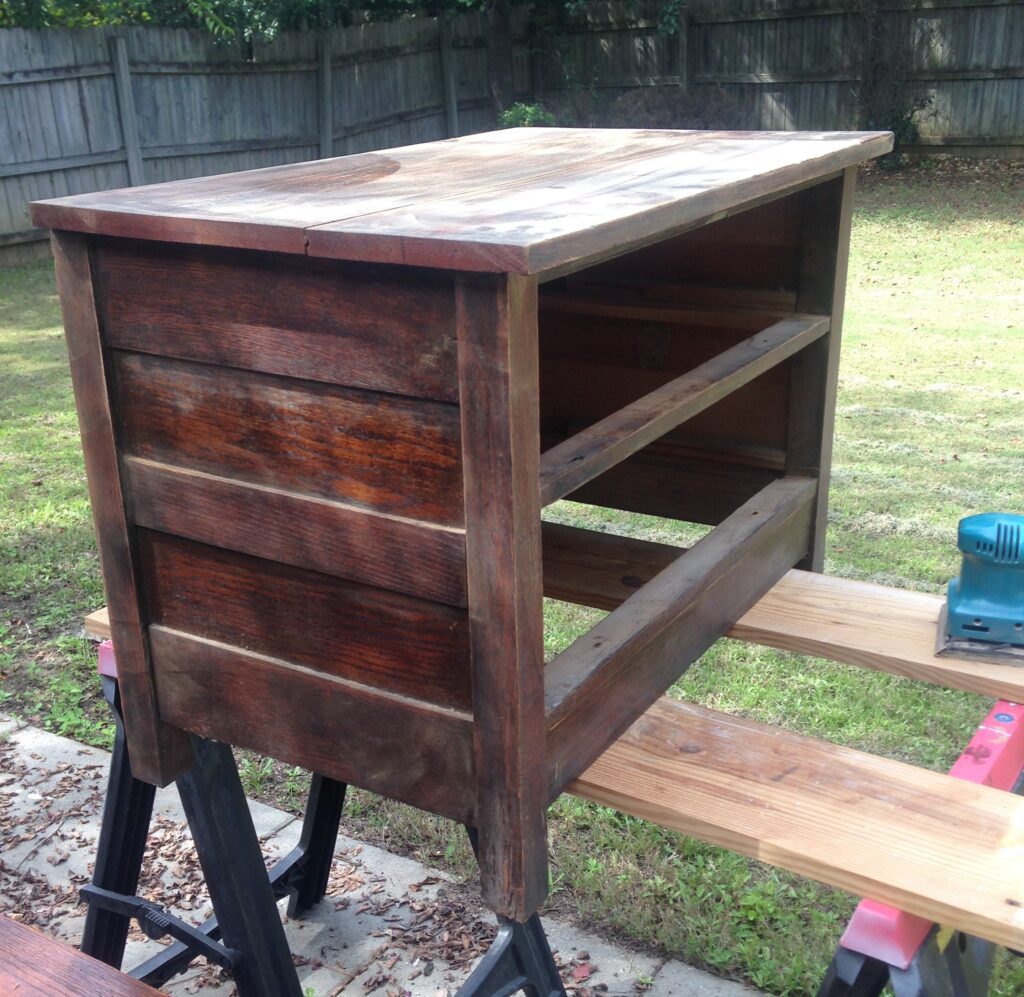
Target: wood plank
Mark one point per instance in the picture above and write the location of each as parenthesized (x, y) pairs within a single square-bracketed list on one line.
[(635, 653), (159, 753), (126, 110), (552, 224), (828, 210), (643, 305), (521, 200), (935, 846), (301, 530), (380, 452), (357, 325), (32, 963), (656, 483), (872, 626), (501, 451), (401, 748), (583, 457), (409, 646)]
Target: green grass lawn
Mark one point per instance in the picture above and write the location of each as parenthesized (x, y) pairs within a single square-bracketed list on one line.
[(930, 427)]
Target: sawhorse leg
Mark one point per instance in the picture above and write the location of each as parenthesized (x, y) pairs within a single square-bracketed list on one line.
[(520, 959), (959, 968), (126, 817), (302, 874), (229, 853)]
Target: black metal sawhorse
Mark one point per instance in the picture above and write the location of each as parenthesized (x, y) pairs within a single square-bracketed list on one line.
[(245, 936)]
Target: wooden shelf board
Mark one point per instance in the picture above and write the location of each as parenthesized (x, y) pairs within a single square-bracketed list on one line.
[(927, 843), (591, 452)]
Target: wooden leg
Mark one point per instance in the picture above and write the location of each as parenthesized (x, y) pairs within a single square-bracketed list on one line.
[(232, 863)]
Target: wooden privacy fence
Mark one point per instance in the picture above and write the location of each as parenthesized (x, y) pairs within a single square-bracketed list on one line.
[(89, 109), (85, 110)]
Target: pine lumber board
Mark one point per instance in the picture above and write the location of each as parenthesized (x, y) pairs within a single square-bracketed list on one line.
[(859, 623), (935, 846)]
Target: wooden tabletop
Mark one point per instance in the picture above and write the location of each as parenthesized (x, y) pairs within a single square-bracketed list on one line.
[(525, 200)]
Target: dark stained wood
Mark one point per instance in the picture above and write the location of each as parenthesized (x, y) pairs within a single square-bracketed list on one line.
[(409, 646), (677, 483), (815, 374), (597, 569), (756, 250), (640, 648), (159, 752), (34, 965), (333, 468), (521, 201), (381, 452), (501, 447), (584, 456), (352, 324), (300, 530), (643, 304), (402, 748)]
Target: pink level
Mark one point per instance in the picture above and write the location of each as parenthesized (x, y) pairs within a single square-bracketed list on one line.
[(994, 758)]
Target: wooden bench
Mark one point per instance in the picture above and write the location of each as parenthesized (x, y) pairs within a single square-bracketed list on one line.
[(32, 963), (930, 844)]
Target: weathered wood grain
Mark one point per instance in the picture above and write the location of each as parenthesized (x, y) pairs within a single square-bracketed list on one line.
[(501, 449), (871, 626), (380, 452), (300, 530), (159, 753), (940, 847), (640, 648), (402, 748), (357, 325), (35, 965), (409, 646), (678, 483), (815, 373), (582, 457), (522, 201)]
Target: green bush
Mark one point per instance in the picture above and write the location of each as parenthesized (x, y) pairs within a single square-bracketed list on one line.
[(526, 116)]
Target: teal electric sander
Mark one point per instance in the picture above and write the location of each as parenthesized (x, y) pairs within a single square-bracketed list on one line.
[(984, 613)]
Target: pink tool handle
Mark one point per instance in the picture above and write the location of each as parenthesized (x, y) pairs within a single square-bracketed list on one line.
[(994, 758)]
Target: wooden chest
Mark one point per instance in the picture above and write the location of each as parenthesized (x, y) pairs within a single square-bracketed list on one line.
[(324, 405)]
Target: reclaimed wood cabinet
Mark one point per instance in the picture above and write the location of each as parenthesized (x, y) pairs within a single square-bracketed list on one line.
[(323, 406)]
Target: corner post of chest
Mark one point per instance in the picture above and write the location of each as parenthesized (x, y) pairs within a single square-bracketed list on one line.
[(498, 389), (825, 252)]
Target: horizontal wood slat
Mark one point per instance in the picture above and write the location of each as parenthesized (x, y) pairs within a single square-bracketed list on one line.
[(639, 649), (349, 324), (927, 843), (394, 455), (300, 530), (620, 303), (566, 467), (873, 626), (391, 745), (382, 639)]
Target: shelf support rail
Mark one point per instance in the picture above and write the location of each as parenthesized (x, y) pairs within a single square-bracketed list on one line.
[(581, 458)]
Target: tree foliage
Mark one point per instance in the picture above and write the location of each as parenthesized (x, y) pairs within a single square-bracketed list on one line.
[(244, 19)]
